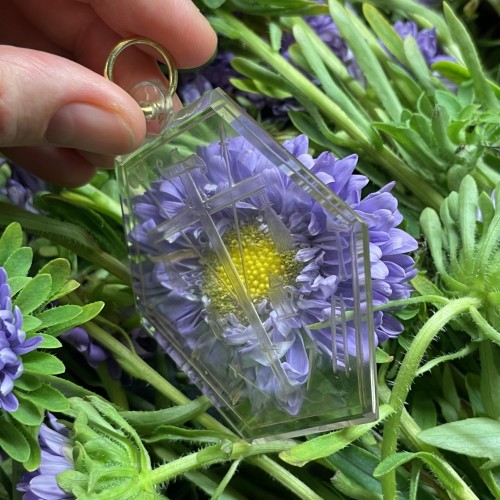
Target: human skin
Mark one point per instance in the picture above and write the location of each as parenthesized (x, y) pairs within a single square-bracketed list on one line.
[(59, 117)]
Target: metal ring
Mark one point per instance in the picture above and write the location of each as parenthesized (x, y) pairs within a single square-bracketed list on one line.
[(167, 59)]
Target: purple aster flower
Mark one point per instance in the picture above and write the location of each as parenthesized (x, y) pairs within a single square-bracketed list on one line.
[(293, 260), (13, 344), (56, 457)]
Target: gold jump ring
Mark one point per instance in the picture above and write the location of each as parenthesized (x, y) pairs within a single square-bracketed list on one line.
[(167, 59)]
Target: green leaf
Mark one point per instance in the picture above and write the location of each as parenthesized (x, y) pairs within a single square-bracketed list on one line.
[(12, 441), (59, 270), (366, 59), (387, 34), (10, 241), (358, 465), (69, 235), (470, 56), (171, 433), (31, 435), (472, 385), (30, 323), (19, 262), (88, 312), (49, 398), (42, 363), (28, 382), (438, 466), (28, 413), (490, 378), (382, 357), (87, 218), (473, 437), (58, 315), (328, 444), (18, 282), (146, 421), (68, 287), (468, 196), (34, 294), (49, 342), (465, 351)]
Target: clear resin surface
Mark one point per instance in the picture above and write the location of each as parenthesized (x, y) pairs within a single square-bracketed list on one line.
[(251, 273)]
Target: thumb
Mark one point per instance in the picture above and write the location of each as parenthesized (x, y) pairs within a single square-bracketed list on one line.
[(48, 100)]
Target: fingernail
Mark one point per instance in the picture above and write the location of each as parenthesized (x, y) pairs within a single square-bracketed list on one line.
[(90, 128)]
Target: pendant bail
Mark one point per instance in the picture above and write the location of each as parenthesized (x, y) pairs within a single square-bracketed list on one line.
[(154, 100)]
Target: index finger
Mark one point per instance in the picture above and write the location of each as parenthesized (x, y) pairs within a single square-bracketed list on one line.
[(176, 24)]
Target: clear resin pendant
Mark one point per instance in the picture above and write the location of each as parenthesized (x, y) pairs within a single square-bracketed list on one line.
[(251, 273)]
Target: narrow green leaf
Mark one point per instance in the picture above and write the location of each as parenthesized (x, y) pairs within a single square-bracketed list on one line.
[(327, 444), (10, 241), (146, 421), (470, 56), (418, 64), (351, 489), (468, 196), (473, 437), (387, 34), (69, 235), (19, 262), (172, 433), (433, 232), (458, 74), (465, 351), (59, 270), (12, 441), (43, 363), (35, 294), (28, 412), (87, 218), (358, 465), (437, 465), (424, 286), (490, 378), (366, 59), (275, 35), (88, 312)]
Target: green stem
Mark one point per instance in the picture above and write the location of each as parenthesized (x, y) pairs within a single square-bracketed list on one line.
[(91, 197), (114, 388), (404, 380), (213, 455)]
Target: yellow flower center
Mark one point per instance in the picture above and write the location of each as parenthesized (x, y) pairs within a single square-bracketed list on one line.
[(255, 258)]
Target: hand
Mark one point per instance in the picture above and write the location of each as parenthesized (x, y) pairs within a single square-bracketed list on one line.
[(59, 117)]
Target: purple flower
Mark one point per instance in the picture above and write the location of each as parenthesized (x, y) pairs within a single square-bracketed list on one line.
[(293, 261), (13, 344), (56, 457), (21, 187), (82, 342), (426, 39)]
